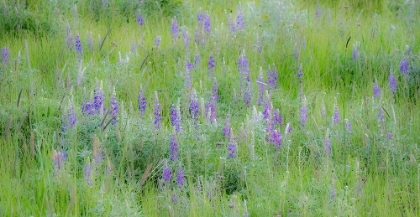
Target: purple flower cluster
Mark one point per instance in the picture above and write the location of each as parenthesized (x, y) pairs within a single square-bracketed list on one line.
[(194, 106), (175, 117), (227, 128), (336, 117), (211, 110), (180, 179), (174, 28), (404, 66), (140, 19), (272, 78), (166, 174), (141, 99), (243, 66), (231, 147), (157, 113), (376, 90), (98, 100), (392, 83), (157, 41), (240, 20), (276, 139), (211, 65), (204, 22), (173, 144), (78, 45), (5, 53), (303, 115)]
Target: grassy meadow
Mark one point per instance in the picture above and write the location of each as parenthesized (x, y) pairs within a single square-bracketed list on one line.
[(210, 108)]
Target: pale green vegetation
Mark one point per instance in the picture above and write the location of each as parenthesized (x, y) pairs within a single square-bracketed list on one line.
[(325, 167)]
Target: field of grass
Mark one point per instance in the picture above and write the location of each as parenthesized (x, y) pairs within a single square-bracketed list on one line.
[(210, 108)]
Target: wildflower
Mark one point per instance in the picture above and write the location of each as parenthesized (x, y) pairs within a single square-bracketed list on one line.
[(157, 41), (214, 90), (211, 65), (59, 159), (348, 125), (98, 100), (240, 21), (194, 106), (277, 117), (303, 115), (141, 102), (175, 118), (157, 113), (355, 54), (72, 116), (336, 115), (88, 108), (226, 129), (268, 107), (272, 78), (180, 179), (299, 73), (231, 23), (187, 75), (392, 82), (114, 108), (211, 110), (173, 144), (277, 139), (376, 89), (78, 45), (204, 21), (243, 67), (166, 174), (5, 53), (174, 28), (140, 19), (232, 150), (404, 66)]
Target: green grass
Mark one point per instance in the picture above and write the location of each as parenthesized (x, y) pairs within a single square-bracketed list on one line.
[(372, 168)]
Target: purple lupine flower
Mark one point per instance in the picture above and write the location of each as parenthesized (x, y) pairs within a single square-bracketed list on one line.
[(59, 158), (303, 115), (185, 37), (157, 41), (277, 118), (140, 19), (336, 115), (194, 106), (204, 22), (332, 194), (404, 66), (268, 107), (261, 87), (88, 108), (392, 82), (98, 100), (211, 110), (227, 128), (78, 45), (113, 108), (240, 21), (231, 147), (72, 116), (175, 118), (141, 102), (277, 139), (87, 173), (269, 129), (355, 54), (173, 144), (348, 126), (180, 179), (243, 67), (157, 112), (166, 173), (214, 90), (389, 135), (272, 78), (299, 73), (328, 145), (376, 90), (211, 65), (5, 53), (174, 28)]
